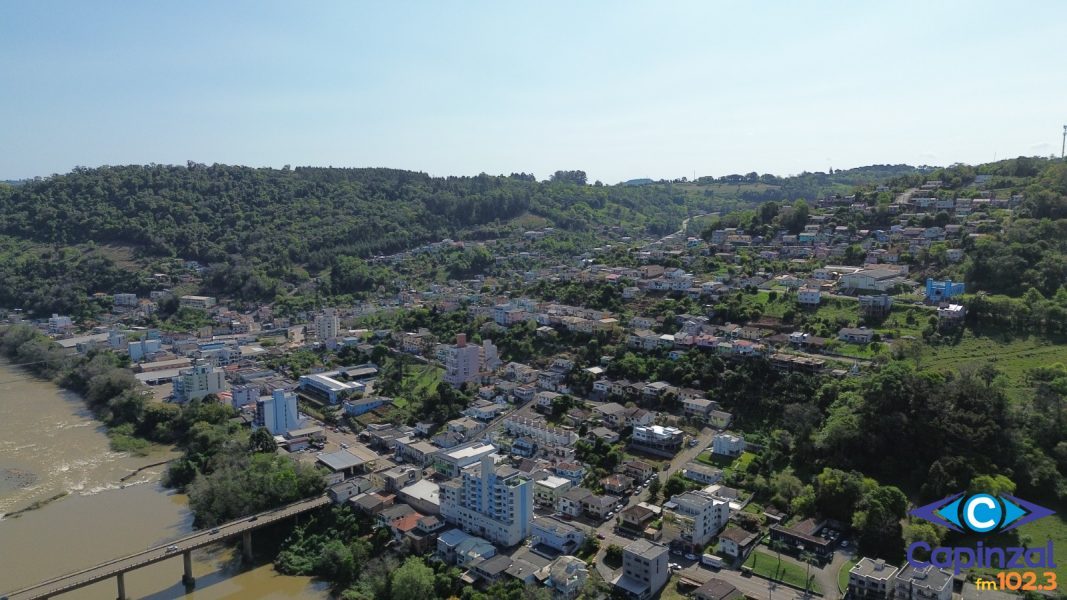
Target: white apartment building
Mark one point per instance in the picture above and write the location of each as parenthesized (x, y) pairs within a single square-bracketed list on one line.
[(327, 325), (695, 517), (462, 362), (728, 444), (658, 437), (492, 502), (452, 461), (277, 412), (539, 431), (199, 381)]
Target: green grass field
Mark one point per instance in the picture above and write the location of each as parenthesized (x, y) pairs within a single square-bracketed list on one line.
[(766, 565), (1036, 534), (1012, 353), (726, 462)]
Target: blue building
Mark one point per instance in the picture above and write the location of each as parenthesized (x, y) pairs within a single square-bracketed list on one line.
[(936, 291)]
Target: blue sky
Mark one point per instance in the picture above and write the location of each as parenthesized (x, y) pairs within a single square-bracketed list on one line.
[(620, 89)]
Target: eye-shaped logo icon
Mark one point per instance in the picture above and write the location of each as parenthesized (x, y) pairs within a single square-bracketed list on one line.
[(981, 513)]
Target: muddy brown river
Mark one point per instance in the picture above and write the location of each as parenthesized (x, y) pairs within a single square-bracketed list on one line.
[(49, 445)]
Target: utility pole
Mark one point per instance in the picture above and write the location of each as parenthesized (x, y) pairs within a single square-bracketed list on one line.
[(1063, 146)]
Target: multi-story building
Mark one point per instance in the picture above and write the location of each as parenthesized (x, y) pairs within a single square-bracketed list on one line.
[(462, 362), (277, 412), (539, 430), (809, 296), (657, 437), (567, 577), (199, 381), (870, 579), (200, 302), (125, 299), (414, 451), (243, 395), (570, 502), (558, 535), (327, 325), (58, 324), (925, 583), (452, 461), (695, 517), (644, 570), (728, 444), (490, 501), (548, 490)]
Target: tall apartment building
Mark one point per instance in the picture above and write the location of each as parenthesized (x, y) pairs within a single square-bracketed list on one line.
[(462, 362), (644, 569), (277, 412), (495, 503), (695, 517), (199, 381), (327, 325)]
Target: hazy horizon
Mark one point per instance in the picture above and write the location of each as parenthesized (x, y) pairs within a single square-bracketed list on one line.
[(622, 90)]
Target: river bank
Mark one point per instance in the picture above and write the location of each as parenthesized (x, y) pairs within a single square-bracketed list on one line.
[(112, 504)]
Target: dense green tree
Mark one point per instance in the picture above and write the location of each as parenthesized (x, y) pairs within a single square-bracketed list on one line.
[(412, 580)]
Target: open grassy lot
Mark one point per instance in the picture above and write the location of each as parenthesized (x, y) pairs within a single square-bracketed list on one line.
[(726, 462), (767, 565), (1012, 353), (1036, 534)]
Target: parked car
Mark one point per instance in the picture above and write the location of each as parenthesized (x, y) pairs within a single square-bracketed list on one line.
[(690, 557), (600, 536)]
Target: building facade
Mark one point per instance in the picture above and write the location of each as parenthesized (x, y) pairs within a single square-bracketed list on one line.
[(489, 501), (277, 412), (199, 381), (695, 517)]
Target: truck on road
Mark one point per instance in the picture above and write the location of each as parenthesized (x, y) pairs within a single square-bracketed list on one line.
[(712, 561)]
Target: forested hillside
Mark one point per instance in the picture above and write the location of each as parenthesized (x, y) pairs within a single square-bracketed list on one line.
[(305, 215), (261, 227)]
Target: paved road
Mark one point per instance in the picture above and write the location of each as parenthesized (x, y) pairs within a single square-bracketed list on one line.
[(174, 549)]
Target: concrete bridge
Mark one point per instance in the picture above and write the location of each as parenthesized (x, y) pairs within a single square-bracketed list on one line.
[(182, 547)]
